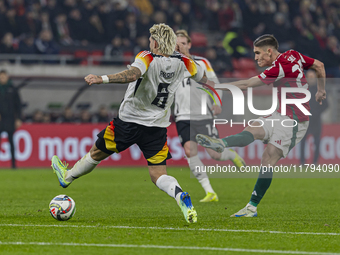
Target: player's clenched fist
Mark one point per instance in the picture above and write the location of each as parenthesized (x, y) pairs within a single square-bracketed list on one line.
[(93, 79)]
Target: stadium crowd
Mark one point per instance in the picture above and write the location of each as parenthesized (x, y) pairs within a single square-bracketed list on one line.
[(225, 28), (221, 30)]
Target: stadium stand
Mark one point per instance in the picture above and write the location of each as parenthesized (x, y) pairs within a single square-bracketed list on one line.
[(111, 32)]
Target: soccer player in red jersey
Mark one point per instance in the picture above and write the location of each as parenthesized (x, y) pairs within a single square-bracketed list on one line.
[(285, 70)]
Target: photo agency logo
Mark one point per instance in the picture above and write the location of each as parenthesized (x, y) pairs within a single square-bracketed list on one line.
[(204, 98), (238, 104)]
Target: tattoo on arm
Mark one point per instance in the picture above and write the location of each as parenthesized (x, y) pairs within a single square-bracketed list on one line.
[(126, 76)]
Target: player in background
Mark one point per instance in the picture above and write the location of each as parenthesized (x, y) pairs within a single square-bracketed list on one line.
[(190, 121), (144, 114), (285, 70)]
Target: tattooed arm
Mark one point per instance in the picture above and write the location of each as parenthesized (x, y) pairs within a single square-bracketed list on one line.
[(126, 76)]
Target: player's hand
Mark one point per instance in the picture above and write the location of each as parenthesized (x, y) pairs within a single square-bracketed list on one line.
[(216, 109), (210, 83), (93, 79), (320, 95)]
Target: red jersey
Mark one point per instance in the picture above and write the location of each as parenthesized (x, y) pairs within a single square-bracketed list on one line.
[(287, 71)]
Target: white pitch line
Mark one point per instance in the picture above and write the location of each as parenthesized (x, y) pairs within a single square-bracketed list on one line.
[(169, 247), (176, 229)]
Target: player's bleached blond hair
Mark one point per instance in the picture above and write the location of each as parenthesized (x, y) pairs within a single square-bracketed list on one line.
[(165, 37), (183, 33)]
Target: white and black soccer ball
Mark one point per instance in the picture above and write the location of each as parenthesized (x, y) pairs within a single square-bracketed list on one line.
[(62, 207)]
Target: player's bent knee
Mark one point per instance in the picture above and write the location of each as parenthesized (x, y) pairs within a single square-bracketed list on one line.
[(97, 154)]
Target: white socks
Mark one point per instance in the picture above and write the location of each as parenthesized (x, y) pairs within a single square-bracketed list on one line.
[(169, 185), (227, 155), (196, 166), (84, 166)]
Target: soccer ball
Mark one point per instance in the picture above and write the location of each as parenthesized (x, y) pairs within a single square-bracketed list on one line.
[(62, 207)]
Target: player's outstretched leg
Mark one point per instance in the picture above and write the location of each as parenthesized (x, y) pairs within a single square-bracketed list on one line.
[(239, 140), (210, 142), (237, 160), (84, 166), (60, 169), (187, 208), (170, 185), (197, 168), (248, 211)]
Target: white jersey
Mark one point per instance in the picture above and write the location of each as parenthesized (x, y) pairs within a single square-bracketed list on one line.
[(147, 101), (188, 97)]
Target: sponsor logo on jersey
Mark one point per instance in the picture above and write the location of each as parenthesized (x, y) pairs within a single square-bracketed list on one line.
[(166, 75)]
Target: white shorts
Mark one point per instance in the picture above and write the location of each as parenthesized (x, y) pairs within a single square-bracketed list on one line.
[(283, 135)]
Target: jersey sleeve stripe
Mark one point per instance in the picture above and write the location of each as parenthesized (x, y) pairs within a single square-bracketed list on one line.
[(145, 57), (190, 65), (207, 65)]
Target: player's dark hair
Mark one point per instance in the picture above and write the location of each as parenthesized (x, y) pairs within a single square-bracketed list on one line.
[(3, 71), (266, 40)]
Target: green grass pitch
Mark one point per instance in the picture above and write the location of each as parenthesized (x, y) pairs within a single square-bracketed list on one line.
[(120, 211)]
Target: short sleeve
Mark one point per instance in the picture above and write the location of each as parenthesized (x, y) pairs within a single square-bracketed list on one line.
[(195, 71), (270, 75), (143, 61), (307, 62)]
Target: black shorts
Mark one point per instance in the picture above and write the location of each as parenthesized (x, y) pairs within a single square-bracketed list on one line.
[(187, 130), (120, 135)]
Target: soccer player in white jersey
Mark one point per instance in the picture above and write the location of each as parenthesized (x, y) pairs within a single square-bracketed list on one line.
[(285, 71), (144, 114), (190, 121)]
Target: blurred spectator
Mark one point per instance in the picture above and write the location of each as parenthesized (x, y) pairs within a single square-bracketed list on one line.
[(321, 36), (143, 25), (120, 29), (13, 23), (10, 110), (7, 43), (52, 8), (115, 48), (69, 5), (159, 17), (185, 10), (85, 116), (142, 44), (32, 24), (280, 30), (95, 30), (61, 30), (27, 46), (212, 14), (331, 57), (164, 7), (45, 43), (46, 118), (67, 116), (219, 60), (46, 23), (77, 26), (38, 116), (225, 15), (177, 22), (102, 116), (131, 25)]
